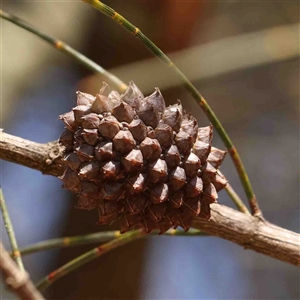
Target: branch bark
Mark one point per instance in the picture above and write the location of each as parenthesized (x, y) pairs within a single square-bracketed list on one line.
[(248, 231), (42, 157), (252, 233), (17, 280)]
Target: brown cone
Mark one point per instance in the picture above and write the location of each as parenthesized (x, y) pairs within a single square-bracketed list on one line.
[(136, 160)]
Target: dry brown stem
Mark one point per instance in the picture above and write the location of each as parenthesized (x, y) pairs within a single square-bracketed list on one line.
[(248, 231), (17, 280), (42, 157), (252, 233)]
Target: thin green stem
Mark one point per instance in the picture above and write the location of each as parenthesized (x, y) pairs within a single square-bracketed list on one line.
[(237, 200), (109, 12), (63, 47), (10, 232), (98, 237), (87, 257), (235, 197)]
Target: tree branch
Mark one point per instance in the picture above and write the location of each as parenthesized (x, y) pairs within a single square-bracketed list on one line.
[(252, 233), (247, 231), (42, 157), (17, 280)]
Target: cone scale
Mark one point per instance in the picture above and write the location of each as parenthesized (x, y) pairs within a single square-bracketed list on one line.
[(134, 159)]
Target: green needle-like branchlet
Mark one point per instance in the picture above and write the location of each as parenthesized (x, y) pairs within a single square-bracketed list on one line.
[(63, 47), (109, 12), (10, 232), (236, 199), (99, 237), (72, 241), (87, 257), (118, 240)]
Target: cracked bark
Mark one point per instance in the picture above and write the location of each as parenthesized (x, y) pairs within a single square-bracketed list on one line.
[(248, 231)]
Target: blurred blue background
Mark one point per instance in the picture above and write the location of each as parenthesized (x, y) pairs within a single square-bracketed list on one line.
[(244, 59)]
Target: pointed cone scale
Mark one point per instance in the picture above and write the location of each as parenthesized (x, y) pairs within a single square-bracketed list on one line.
[(159, 193), (135, 205), (205, 211), (70, 179), (177, 179), (219, 182), (129, 222), (185, 219), (208, 173), (123, 141), (209, 195), (89, 171), (104, 151), (193, 204), (157, 171), (102, 104), (109, 127), (90, 136), (148, 225), (201, 149), (133, 96), (156, 212), (183, 142), (156, 100), (80, 111), (151, 149), (205, 134), (149, 115), (192, 165), (123, 112), (164, 135), (105, 89), (138, 129), (84, 98), (174, 216), (72, 161), (173, 116), (69, 120), (151, 133), (67, 139), (111, 170), (164, 225), (133, 161), (114, 95), (190, 125), (90, 121), (152, 108), (112, 191), (136, 184), (176, 199), (216, 157), (85, 152), (78, 138), (194, 187), (172, 157)]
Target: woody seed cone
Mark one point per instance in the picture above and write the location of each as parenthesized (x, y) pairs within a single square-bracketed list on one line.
[(132, 158)]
